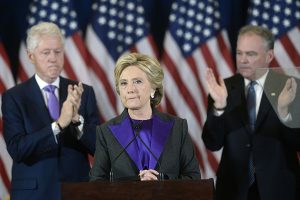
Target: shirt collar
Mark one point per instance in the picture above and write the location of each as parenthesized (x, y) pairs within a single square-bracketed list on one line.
[(261, 81), (42, 83)]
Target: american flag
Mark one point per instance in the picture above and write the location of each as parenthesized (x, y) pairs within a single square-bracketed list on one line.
[(6, 82), (61, 13), (194, 41), (283, 19), (117, 27)]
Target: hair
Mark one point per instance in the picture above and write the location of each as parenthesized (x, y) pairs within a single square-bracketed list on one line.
[(263, 32), (43, 28), (147, 64)]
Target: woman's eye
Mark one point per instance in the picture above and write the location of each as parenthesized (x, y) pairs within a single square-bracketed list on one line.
[(123, 83), (137, 81)]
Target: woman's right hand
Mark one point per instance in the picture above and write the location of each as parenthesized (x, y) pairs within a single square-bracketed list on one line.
[(148, 175)]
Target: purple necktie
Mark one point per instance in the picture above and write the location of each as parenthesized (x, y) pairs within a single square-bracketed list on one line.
[(53, 104)]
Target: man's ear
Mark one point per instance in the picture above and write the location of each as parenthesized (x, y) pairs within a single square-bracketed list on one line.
[(270, 55), (30, 56)]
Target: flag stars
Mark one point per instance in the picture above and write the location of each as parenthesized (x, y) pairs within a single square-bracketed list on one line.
[(73, 14), (172, 18), (111, 35), (112, 23), (191, 13), (179, 33), (44, 2), (113, 12), (297, 15), (31, 20), (140, 21), (274, 30), (201, 5), (128, 40), (129, 17), (275, 19), (139, 32), (33, 9), (102, 20), (286, 22), (267, 4), (189, 24), (42, 13), (121, 15), (103, 9), (206, 32), (217, 25), (188, 36), (54, 6), (95, 6), (140, 9), (209, 10), (63, 21), (287, 11), (199, 17), (181, 21), (276, 8), (73, 25), (182, 10), (193, 2), (53, 17), (198, 28), (257, 2), (265, 16), (208, 21), (255, 12), (196, 40), (186, 47), (129, 29), (130, 6), (64, 10)]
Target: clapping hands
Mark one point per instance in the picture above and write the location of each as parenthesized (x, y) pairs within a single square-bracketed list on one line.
[(69, 111)]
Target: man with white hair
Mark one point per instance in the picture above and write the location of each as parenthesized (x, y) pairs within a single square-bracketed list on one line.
[(49, 121)]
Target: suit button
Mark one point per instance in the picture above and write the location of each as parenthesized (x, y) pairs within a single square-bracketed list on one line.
[(248, 145)]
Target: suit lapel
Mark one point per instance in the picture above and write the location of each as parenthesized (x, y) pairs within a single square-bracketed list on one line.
[(160, 132), (37, 102), (272, 89), (238, 98), (63, 90), (124, 134)]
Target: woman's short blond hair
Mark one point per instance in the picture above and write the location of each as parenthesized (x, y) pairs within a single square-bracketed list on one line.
[(147, 64)]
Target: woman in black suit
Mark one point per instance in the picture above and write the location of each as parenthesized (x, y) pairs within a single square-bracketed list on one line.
[(143, 143)]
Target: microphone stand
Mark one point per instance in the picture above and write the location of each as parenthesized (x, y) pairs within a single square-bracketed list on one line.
[(136, 129)]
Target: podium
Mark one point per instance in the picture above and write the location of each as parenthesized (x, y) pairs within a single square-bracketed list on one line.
[(141, 190)]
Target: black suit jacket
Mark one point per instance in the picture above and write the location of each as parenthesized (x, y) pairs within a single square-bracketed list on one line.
[(39, 163), (274, 145), (177, 159)]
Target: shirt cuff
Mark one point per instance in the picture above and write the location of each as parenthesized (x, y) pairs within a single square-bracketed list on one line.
[(55, 129), (287, 118), (80, 127)]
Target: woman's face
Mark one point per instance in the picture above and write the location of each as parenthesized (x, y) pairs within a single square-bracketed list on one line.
[(135, 89)]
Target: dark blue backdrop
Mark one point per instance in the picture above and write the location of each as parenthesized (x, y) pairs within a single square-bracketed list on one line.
[(13, 20)]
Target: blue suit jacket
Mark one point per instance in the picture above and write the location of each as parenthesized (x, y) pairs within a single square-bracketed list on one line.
[(39, 163), (273, 144)]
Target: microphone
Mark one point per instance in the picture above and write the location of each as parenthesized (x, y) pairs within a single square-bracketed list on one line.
[(161, 175), (136, 128)]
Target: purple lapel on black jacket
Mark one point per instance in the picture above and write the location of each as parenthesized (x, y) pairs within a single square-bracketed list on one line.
[(160, 131)]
